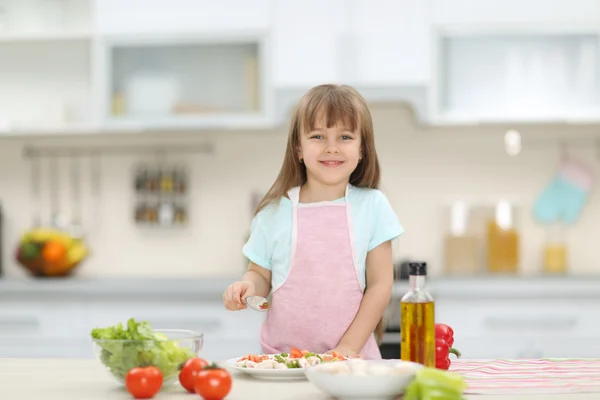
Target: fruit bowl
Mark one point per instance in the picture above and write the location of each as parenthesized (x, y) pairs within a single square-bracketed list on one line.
[(50, 252), (168, 352)]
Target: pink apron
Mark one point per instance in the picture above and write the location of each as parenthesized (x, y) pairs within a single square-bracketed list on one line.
[(321, 295)]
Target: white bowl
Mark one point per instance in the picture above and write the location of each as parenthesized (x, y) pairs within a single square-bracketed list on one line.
[(363, 379)]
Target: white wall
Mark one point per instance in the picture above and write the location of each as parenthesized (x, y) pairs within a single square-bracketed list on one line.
[(421, 167)]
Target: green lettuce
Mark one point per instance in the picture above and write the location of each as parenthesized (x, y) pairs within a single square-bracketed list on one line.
[(124, 348)]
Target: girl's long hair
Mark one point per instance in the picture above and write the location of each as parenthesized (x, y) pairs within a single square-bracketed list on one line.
[(335, 105)]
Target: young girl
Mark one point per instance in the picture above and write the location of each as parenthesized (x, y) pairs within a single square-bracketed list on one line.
[(320, 241)]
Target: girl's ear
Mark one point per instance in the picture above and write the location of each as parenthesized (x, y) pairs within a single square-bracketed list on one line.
[(299, 153)]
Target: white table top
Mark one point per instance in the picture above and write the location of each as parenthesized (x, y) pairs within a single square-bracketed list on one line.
[(62, 379)]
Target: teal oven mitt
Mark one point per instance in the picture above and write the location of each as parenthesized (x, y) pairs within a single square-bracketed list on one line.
[(565, 197), (576, 184), (546, 209)]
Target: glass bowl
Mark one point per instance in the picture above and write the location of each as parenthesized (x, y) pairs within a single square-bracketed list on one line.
[(167, 354)]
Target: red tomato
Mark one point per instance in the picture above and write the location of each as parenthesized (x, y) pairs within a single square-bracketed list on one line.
[(213, 383), (189, 372), (296, 353), (143, 382)]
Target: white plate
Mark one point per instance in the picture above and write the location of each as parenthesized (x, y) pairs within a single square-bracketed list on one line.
[(270, 374)]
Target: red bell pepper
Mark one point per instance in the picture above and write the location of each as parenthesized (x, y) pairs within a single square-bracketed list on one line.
[(444, 339)]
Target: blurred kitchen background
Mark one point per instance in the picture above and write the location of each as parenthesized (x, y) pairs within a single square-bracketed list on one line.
[(148, 130)]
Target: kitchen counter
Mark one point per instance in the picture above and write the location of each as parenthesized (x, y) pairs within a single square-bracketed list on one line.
[(50, 379), (211, 287)]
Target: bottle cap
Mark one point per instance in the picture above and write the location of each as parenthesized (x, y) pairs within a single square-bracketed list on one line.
[(417, 268)]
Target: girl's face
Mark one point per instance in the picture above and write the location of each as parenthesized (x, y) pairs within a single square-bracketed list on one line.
[(330, 154)]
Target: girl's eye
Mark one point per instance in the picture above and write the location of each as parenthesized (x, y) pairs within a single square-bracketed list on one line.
[(346, 137), (316, 137)]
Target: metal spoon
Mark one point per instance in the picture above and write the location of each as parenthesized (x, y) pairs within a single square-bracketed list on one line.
[(258, 303)]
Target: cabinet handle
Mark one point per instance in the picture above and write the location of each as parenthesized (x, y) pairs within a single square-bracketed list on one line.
[(525, 323), (10, 325)]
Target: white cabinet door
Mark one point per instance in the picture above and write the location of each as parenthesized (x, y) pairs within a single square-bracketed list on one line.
[(483, 12), (37, 318), (506, 327), (44, 347), (305, 42), (180, 16), (391, 41)]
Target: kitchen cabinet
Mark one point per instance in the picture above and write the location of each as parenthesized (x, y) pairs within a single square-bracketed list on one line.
[(491, 318), (514, 62), (185, 80), (56, 319), (497, 74), (56, 95), (205, 65), (235, 64), (116, 17), (305, 39), (521, 327), (464, 12), (364, 43), (391, 42)]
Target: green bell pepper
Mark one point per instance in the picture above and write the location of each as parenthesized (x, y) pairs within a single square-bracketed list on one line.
[(435, 384)]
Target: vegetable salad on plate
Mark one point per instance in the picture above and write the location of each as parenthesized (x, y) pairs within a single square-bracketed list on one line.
[(294, 359)]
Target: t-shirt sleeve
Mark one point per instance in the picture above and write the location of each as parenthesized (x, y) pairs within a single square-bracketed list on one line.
[(385, 221), (257, 248)]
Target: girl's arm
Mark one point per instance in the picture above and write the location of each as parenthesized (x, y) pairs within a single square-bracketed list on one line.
[(380, 279), (261, 277)]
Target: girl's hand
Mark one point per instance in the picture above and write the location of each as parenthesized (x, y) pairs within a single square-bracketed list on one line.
[(234, 297), (345, 352)]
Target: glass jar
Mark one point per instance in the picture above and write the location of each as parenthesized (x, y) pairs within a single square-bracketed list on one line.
[(463, 245), (555, 250), (502, 240)]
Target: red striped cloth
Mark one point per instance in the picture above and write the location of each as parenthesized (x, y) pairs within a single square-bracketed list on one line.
[(543, 376)]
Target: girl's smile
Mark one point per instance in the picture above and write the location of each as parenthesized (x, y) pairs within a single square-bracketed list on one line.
[(331, 163)]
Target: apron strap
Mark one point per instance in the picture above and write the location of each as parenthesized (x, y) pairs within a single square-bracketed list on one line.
[(294, 195)]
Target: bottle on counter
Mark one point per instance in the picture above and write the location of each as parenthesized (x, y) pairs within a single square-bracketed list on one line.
[(417, 316)]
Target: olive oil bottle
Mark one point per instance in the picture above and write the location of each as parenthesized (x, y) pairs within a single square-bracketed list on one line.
[(417, 328)]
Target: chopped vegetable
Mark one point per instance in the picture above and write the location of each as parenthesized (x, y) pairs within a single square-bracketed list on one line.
[(444, 339), (435, 384), (295, 359), (138, 345), (296, 353), (264, 306)]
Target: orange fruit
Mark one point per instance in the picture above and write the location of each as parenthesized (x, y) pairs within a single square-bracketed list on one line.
[(56, 269), (54, 252)]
